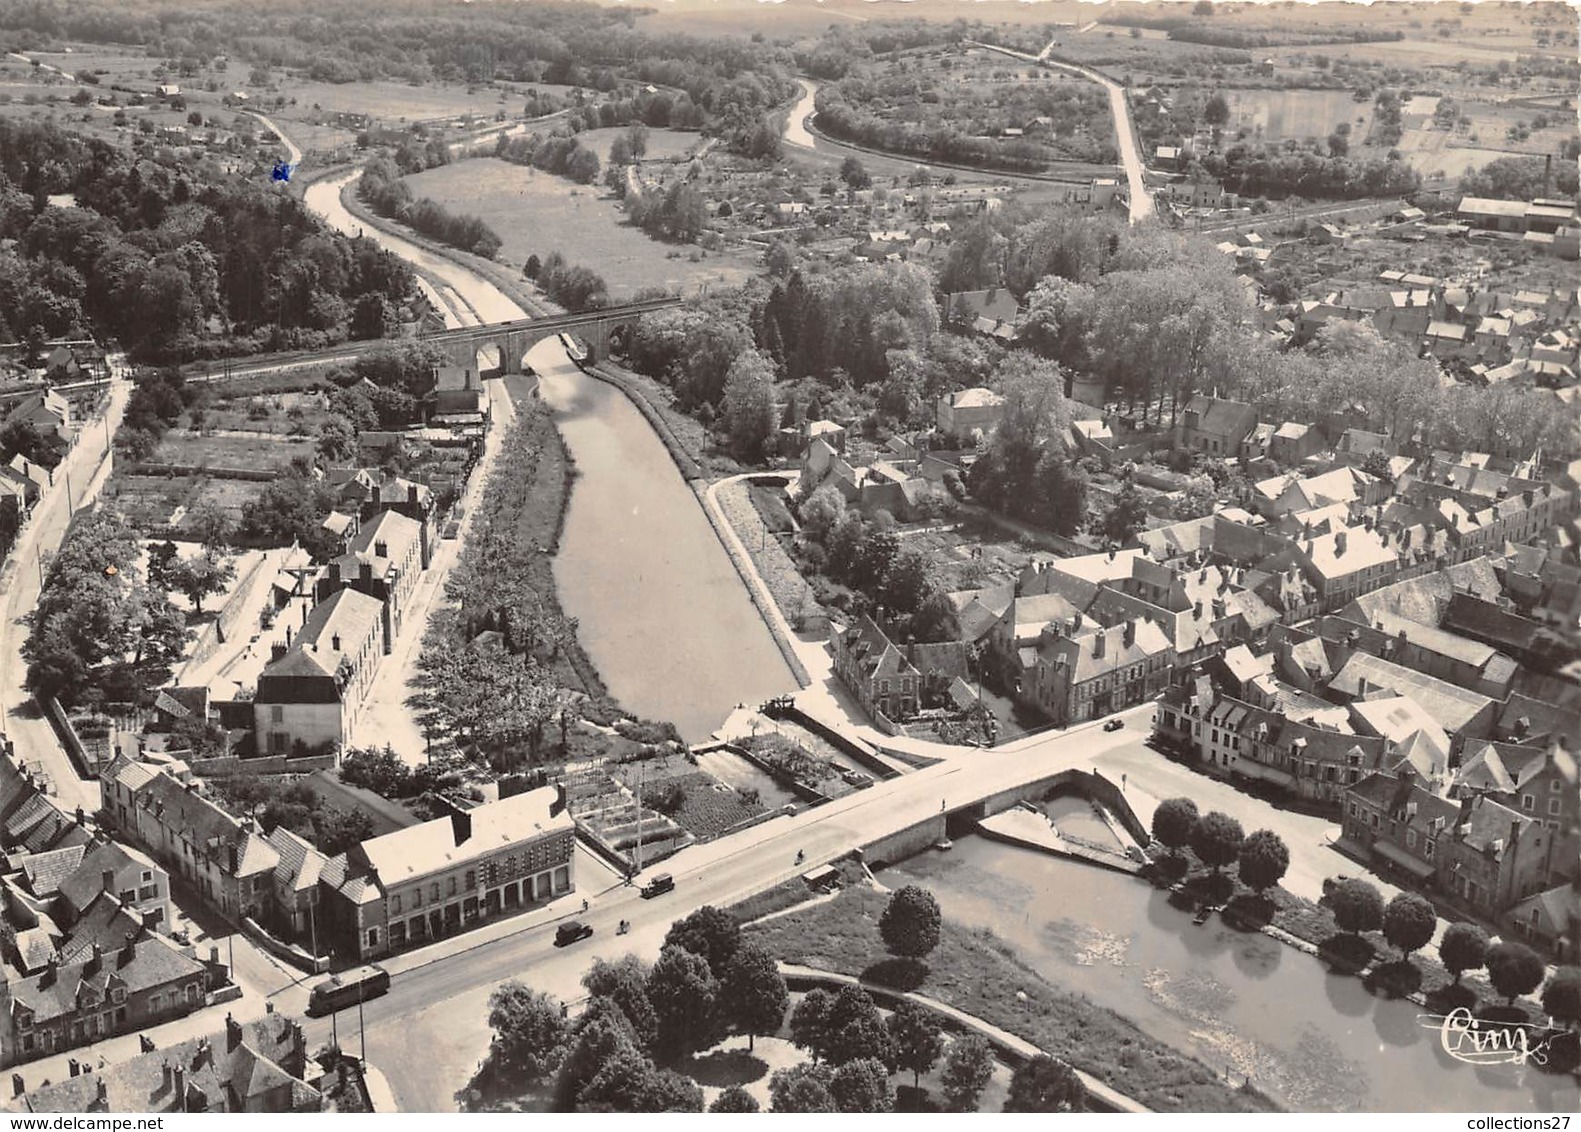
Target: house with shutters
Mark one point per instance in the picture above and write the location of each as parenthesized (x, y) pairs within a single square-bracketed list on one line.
[(445, 876), (1476, 852), (228, 862), (258, 1066), (129, 980), (1084, 671), (314, 688), (384, 561)]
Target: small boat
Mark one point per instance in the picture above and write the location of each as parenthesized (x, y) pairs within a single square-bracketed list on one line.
[(1202, 914), (943, 844)]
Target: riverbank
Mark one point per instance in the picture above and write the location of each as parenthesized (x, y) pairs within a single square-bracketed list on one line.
[(518, 527), (517, 290), (977, 973)]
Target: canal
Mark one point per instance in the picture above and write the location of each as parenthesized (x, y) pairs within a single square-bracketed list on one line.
[(661, 611), (1243, 1002)]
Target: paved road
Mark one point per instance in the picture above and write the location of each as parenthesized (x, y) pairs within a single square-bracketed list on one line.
[(77, 483), (1125, 130), (429, 1032), (385, 718)]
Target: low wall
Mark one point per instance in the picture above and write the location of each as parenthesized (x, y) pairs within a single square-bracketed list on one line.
[(69, 739), (224, 626), (286, 952), (251, 475), (906, 843), (854, 751), (1086, 784), (797, 787), (269, 764)]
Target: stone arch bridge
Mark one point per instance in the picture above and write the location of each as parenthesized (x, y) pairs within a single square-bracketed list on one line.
[(512, 340)]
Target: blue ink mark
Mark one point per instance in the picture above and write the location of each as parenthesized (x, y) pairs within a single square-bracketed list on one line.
[(282, 171)]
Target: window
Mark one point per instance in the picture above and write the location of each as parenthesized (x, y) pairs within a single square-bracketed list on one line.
[(1410, 839), (1427, 847), (472, 879), (128, 896), (1373, 818), (1553, 786), (1528, 803), (154, 1003), (452, 886), (433, 892), (277, 714), (1553, 805), (373, 937), (118, 995), (395, 903), (417, 897)]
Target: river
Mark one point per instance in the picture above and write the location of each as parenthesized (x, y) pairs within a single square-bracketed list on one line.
[(1314, 1041), (661, 611)]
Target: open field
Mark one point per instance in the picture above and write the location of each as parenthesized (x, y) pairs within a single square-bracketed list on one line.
[(155, 501), (257, 452), (1274, 115), (536, 213), (663, 145)]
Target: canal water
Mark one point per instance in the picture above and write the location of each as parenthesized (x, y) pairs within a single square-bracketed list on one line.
[(1238, 1002), (661, 611)]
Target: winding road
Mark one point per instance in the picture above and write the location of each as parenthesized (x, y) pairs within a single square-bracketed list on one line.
[(1125, 130)]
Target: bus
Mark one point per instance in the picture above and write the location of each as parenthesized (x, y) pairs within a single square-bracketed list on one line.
[(347, 989)]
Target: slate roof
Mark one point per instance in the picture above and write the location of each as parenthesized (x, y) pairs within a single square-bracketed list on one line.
[(352, 615), (44, 872), (145, 963), (299, 865), (87, 881), (219, 1071), (425, 848), (1453, 707)]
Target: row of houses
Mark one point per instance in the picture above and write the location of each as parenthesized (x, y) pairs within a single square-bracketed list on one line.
[(426, 881), (83, 954)]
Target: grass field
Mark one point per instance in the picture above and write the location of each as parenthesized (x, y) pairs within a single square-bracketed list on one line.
[(259, 452), (976, 972), (536, 213), (663, 145), (1274, 115)]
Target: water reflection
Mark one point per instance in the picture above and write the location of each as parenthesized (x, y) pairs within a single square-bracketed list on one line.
[(1240, 1003)]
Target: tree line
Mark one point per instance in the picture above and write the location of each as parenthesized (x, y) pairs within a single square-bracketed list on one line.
[(383, 190)]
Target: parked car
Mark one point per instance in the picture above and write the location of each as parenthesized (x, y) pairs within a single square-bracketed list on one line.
[(1114, 725), (658, 886), (571, 931)]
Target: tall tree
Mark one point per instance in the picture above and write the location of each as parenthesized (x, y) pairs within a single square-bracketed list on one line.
[(1042, 1084), (1216, 840), (530, 1033), (1463, 948), (747, 410), (624, 982), (1562, 997), (752, 996), (684, 994), (1514, 969), (1173, 822), (710, 932), (802, 1088), (1264, 858), (862, 1085), (968, 1067), (918, 1039), (910, 922), (1409, 922), (1357, 906)]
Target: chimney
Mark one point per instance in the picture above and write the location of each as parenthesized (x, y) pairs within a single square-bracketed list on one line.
[(18, 1086), (1196, 610), (74, 1068), (461, 826), (557, 807), (1098, 641), (334, 641), (233, 1033), (204, 1054), (164, 1074), (1075, 623), (107, 880), (1339, 544), (51, 970), (276, 651), (381, 549), (1128, 634), (101, 1091), (411, 494), (178, 1086), (367, 572), (334, 574), (95, 961)]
